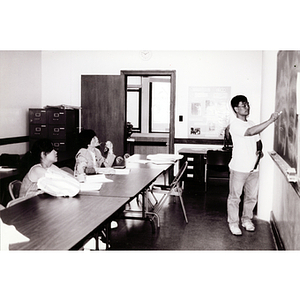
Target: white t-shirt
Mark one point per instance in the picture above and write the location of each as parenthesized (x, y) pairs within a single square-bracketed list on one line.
[(244, 147)]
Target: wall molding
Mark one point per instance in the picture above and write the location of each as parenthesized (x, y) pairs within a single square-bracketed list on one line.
[(14, 140), (198, 141), (275, 232)]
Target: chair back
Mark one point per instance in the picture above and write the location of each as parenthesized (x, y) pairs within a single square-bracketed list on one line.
[(14, 189), (218, 157), (179, 174)]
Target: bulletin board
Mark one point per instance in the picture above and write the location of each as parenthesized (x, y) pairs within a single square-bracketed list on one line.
[(286, 132), (208, 111)]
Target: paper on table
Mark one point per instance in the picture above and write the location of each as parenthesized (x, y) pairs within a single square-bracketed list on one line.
[(90, 186), (97, 178), (6, 169), (133, 159), (161, 162), (164, 157), (10, 235), (122, 171)]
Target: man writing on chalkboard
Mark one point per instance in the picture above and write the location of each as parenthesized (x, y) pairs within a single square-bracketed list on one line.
[(247, 150)]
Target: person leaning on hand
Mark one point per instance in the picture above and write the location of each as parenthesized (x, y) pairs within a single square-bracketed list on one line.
[(243, 165), (89, 159)]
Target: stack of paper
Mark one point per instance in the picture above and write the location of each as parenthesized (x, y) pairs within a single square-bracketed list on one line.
[(98, 178), (93, 182), (163, 158), (10, 235), (122, 171)]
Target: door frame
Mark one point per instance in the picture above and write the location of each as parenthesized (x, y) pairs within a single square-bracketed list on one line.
[(172, 74)]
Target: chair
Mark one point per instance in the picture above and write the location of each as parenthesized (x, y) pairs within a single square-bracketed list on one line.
[(174, 189), (216, 165), (14, 189)]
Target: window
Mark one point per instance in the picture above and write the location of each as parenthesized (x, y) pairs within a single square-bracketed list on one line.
[(148, 103), (159, 106), (134, 108)]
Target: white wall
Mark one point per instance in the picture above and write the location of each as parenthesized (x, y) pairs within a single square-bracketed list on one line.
[(269, 72), (241, 70), (39, 78), (20, 88)]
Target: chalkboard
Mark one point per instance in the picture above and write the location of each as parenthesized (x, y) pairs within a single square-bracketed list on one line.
[(286, 135)]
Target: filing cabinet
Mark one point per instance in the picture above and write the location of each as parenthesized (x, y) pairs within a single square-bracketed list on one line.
[(196, 157), (194, 174), (59, 125)]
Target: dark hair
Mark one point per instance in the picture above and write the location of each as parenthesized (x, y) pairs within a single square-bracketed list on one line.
[(42, 145), (85, 137), (33, 156), (237, 99)]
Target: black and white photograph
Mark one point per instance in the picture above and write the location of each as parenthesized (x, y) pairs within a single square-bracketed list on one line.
[(149, 149)]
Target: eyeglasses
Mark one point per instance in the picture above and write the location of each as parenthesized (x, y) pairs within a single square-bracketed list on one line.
[(244, 105)]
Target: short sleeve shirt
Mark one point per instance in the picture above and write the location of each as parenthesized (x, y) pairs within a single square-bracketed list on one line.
[(244, 147)]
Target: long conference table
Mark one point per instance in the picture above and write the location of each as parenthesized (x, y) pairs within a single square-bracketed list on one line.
[(62, 223)]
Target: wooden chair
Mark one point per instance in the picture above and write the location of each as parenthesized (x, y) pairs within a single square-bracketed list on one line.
[(174, 189), (216, 165)]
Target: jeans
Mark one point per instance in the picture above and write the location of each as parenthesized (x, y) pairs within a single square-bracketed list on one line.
[(239, 182)]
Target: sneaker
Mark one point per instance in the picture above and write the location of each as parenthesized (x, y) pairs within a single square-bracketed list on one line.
[(235, 229), (248, 225), (113, 224)]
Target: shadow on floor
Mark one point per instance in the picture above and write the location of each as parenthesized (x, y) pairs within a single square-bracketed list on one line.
[(207, 228)]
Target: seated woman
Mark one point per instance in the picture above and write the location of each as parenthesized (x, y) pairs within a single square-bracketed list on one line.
[(44, 176), (89, 159)]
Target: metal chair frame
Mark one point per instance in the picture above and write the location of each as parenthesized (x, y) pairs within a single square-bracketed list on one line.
[(174, 189)]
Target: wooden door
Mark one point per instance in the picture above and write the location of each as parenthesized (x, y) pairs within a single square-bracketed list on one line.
[(103, 108)]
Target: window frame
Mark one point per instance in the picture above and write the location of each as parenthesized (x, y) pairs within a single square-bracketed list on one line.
[(150, 111), (139, 90)]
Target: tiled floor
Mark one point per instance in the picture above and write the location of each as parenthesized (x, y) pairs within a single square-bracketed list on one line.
[(207, 228)]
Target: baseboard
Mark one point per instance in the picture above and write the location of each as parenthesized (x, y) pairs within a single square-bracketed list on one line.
[(276, 235)]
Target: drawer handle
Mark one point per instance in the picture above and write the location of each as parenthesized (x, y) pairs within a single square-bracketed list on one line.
[(190, 167), (190, 159), (190, 175)]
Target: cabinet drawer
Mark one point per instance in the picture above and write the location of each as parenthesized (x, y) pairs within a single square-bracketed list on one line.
[(60, 146), (37, 116), (56, 116), (56, 132), (38, 131)]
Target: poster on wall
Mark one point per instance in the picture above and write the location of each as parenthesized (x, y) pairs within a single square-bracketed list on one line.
[(208, 111)]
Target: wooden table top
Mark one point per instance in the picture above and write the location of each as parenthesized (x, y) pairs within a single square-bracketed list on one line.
[(130, 185), (57, 223)]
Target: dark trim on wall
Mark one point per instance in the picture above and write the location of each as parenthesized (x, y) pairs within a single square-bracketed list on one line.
[(275, 232), (198, 141), (14, 140), (149, 143)]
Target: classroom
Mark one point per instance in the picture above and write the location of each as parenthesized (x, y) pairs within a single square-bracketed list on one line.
[(39, 79)]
